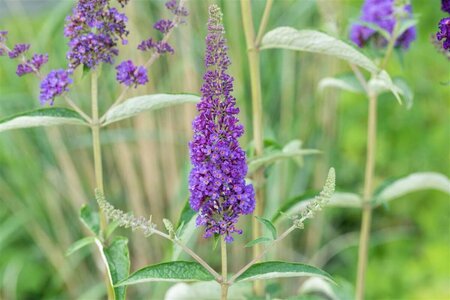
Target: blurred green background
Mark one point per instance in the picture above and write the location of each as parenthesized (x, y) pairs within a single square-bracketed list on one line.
[(47, 174)]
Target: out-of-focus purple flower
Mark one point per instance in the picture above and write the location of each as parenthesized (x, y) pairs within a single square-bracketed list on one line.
[(444, 33), (38, 60), (445, 6), (3, 35), (176, 9), (384, 14), (23, 69), (163, 25), (129, 74), (217, 186), (56, 83), (32, 65), (18, 50), (94, 28), (159, 46)]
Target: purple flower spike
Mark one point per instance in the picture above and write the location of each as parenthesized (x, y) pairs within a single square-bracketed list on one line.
[(217, 180), (446, 6), (383, 14), (444, 33), (129, 74), (172, 6), (18, 50), (56, 83)]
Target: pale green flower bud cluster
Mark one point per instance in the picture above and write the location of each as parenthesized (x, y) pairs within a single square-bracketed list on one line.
[(319, 201), (123, 219)]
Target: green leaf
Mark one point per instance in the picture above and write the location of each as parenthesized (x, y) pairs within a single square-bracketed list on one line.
[(405, 91), (268, 225), (412, 183), (291, 150), (279, 269), (382, 82), (346, 82), (80, 244), (118, 259), (42, 117), (175, 271), (90, 219), (185, 228), (316, 42), (258, 241), (136, 105)]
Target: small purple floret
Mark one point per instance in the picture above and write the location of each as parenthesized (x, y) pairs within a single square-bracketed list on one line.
[(129, 74), (163, 25), (217, 186), (56, 83), (444, 33), (381, 13), (18, 50)]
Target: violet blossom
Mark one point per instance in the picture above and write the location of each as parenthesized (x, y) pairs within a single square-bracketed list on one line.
[(129, 74), (54, 84), (217, 186), (444, 33)]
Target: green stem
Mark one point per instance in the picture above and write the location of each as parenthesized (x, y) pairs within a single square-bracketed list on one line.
[(366, 220), (390, 46), (224, 285), (253, 59), (98, 168), (367, 196), (264, 21)]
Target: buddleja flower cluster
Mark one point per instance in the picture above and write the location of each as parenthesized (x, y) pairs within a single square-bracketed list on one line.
[(443, 35), (19, 51), (94, 29), (218, 190), (385, 14)]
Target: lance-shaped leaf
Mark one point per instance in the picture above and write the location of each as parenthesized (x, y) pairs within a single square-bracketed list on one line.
[(185, 229), (299, 203), (412, 183), (136, 105), (260, 240), (347, 82), (42, 117), (118, 259), (175, 271), (268, 225), (291, 150), (316, 42), (80, 244), (279, 269)]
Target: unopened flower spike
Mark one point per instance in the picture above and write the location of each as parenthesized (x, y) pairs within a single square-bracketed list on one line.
[(319, 201), (123, 219), (385, 14), (217, 186)]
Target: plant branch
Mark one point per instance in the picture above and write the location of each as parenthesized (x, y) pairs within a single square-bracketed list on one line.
[(98, 169), (224, 285), (189, 251), (264, 21), (261, 255), (258, 135), (367, 196)]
